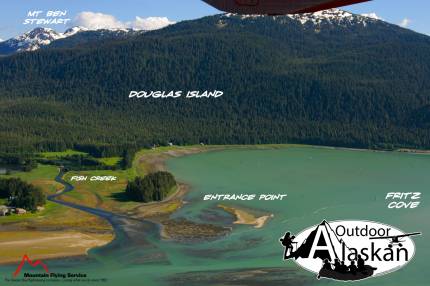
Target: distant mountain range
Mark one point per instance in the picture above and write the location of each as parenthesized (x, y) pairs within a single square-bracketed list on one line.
[(35, 39), (42, 37), (331, 78)]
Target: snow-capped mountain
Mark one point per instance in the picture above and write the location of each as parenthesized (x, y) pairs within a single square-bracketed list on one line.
[(32, 40), (335, 17), (42, 37), (35, 39), (327, 17)]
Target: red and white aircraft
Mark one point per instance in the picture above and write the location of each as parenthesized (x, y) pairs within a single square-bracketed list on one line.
[(278, 7)]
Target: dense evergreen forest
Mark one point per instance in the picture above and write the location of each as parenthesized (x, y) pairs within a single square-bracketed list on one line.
[(283, 82), (23, 161), (21, 194), (153, 187)]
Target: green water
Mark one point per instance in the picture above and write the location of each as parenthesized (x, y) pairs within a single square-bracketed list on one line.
[(320, 183)]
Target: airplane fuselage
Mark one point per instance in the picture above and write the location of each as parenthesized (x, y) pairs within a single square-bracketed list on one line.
[(278, 7)]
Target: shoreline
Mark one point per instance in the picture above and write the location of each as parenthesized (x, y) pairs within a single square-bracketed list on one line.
[(246, 218), (78, 244), (159, 212), (157, 162)]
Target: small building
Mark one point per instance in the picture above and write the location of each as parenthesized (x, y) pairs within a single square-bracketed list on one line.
[(3, 210), (20, 211)]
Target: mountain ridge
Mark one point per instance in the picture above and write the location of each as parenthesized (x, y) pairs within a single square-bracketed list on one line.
[(35, 39), (352, 86), (42, 37), (39, 38)]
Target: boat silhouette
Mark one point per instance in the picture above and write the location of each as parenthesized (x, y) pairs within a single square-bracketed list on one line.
[(366, 272)]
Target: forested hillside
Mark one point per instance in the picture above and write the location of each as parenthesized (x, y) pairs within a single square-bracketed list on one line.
[(356, 83)]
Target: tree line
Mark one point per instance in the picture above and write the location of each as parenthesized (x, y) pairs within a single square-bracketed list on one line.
[(152, 187), (20, 194)]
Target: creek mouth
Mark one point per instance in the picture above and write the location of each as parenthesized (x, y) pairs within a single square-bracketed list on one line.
[(132, 243)]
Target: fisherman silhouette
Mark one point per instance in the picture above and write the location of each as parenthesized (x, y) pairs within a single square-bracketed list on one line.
[(360, 263), (327, 265), (353, 268), (287, 242), (343, 268), (337, 265)]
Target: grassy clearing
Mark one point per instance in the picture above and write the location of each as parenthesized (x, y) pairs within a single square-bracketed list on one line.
[(56, 155), (107, 195), (42, 172), (111, 161)]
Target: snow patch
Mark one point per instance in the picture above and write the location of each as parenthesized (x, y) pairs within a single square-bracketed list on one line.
[(331, 16), (335, 17)]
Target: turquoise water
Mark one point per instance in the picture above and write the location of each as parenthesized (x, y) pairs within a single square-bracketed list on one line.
[(320, 183)]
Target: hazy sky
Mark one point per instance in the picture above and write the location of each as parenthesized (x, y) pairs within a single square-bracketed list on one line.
[(413, 14)]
